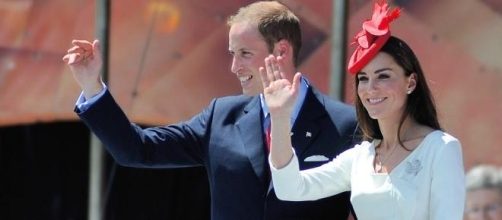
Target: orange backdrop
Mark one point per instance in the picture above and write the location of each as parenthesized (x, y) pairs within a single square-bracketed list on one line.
[(168, 59)]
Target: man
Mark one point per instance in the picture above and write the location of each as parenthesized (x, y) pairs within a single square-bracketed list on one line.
[(228, 137)]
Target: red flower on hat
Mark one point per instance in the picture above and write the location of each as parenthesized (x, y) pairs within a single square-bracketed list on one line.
[(373, 36)]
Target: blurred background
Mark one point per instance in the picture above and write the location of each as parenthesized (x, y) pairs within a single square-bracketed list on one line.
[(175, 51)]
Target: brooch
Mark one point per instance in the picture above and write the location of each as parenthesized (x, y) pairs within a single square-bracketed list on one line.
[(413, 167)]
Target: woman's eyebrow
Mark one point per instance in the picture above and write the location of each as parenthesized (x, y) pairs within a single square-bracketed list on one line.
[(383, 69)]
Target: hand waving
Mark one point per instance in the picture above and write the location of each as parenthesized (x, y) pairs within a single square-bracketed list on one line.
[(85, 62), (280, 94)]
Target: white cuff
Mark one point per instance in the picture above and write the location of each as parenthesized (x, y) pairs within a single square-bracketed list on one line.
[(83, 104)]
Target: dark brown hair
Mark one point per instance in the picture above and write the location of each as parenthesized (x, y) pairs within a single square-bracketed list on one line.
[(419, 105)]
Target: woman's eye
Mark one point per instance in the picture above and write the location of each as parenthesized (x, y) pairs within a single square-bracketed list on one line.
[(383, 76), (362, 78)]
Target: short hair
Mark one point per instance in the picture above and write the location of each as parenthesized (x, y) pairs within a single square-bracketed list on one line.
[(420, 103), (484, 177), (274, 21)]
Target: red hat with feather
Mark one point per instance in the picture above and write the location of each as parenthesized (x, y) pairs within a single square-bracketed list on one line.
[(373, 36)]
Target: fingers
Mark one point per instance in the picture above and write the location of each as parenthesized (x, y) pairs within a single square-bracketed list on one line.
[(280, 65), (96, 44), (86, 45), (66, 58), (76, 49), (296, 82), (96, 49), (72, 58), (263, 76), (270, 68), (276, 69), (81, 50)]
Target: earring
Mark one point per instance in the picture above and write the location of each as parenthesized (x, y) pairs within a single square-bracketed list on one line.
[(409, 91)]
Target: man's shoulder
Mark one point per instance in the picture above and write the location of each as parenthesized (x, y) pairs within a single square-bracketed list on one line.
[(231, 108), (336, 104), (343, 114), (234, 99), (233, 102), (332, 104)]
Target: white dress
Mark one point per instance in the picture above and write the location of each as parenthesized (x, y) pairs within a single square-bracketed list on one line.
[(427, 184)]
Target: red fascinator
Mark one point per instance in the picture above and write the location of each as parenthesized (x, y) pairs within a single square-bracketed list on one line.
[(373, 36)]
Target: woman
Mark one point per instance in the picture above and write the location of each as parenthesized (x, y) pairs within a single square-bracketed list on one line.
[(407, 168), (484, 193)]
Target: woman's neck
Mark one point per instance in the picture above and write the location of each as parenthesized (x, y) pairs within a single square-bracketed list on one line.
[(389, 129)]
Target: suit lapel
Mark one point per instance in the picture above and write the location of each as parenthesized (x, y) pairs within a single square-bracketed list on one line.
[(247, 126), (306, 127)]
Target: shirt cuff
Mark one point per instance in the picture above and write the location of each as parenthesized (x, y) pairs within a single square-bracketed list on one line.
[(83, 104)]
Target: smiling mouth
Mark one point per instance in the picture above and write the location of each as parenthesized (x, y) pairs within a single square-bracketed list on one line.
[(244, 79), (375, 100)]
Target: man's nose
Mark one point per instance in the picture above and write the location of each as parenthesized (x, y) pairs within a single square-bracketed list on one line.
[(236, 65)]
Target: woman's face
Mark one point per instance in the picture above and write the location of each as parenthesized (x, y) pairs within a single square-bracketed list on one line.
[(383, 87), (484, 204)]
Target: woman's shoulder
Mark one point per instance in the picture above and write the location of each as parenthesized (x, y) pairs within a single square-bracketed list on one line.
[(364, 147), (444, 152), (442, 138), (439, 143), (365, 144), (356, 153)]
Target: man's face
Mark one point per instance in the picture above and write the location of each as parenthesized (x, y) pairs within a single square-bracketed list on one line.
[(248, 50)]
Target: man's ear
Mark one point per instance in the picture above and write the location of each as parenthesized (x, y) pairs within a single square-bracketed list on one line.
[(282, 48)]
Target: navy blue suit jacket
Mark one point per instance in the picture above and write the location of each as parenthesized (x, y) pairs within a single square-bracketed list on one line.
[(227, 138)]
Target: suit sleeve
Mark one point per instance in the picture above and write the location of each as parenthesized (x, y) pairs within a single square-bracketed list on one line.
[(179, 145), (448, 182)]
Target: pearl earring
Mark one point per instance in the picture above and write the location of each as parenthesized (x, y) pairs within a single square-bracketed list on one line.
[(409, 92)]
